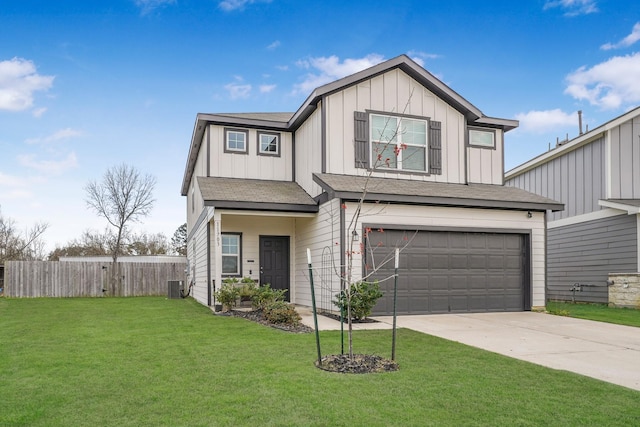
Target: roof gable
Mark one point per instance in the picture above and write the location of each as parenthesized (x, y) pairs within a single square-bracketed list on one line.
[(289, 122)]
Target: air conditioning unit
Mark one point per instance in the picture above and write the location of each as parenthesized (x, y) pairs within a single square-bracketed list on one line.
[(174, 289)]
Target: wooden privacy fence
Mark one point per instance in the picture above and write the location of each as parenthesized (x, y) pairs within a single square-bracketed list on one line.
[(89, 279)]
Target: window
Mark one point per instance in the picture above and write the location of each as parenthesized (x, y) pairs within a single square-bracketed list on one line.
[(268, 144), (398, 143), (482, 138), (231, 254), (235, 140)]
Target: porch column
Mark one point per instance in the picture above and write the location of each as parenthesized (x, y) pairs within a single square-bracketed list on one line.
[(216, 246)]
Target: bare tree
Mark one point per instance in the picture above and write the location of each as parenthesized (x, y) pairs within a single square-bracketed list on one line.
[(123, 196), (20, 246)]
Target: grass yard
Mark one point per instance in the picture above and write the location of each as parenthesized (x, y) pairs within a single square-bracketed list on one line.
[(599, 312), (158, 362)]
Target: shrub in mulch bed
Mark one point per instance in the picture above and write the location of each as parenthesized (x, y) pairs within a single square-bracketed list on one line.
[(258, 317), (360, 364)]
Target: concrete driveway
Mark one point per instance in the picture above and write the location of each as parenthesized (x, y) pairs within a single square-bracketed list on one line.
[(600, 350)]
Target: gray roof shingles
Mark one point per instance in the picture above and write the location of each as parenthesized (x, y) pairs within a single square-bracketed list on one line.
[(421, 192), (253, 192)]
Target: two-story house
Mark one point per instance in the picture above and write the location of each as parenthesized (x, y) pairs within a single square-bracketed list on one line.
[(262, 188), (597, 176)]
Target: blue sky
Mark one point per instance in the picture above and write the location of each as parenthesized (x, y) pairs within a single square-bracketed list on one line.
[(86, 85)]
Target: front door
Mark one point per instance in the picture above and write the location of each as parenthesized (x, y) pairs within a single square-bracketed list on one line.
[(274, 262)]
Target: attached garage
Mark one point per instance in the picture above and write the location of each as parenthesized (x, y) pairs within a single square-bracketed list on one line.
[(451, 271)]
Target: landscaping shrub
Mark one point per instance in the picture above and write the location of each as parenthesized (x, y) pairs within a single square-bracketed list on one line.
[(264, 296), (228, 294), (364, 296), (281, 312), (248, 289)]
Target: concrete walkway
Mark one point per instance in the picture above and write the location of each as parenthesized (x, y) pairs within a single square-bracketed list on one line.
[(596, 349)]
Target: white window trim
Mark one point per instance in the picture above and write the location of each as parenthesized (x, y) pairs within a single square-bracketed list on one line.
[(479, 143), (238, 255), (399, 144), (228, 149), (261, 152)]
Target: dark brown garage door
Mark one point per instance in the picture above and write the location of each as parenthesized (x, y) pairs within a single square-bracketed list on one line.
[(451, 271)]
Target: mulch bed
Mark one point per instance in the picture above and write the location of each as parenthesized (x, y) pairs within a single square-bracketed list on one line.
[(256, 316), (353, 321), (340, 363), (361, 364)]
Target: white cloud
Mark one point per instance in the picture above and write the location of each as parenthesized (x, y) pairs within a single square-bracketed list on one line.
[(274, 45), (148, 6), (573, 7), (56, 136), (38, 112), (546, 120), (330, 69), (231, 5), (267, 88), (49, 167), (421, 57), (608, 85), (238, 89), (18, 82), (625, 42)]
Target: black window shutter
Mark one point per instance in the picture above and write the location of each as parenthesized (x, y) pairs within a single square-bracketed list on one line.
[(435, 148), (361, 138)]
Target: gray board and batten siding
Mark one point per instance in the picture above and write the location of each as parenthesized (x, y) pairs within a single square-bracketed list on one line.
[(576, 179), (586, 253)]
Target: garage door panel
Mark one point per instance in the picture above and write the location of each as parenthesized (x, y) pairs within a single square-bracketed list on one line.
[(449, 271), (438, 261)]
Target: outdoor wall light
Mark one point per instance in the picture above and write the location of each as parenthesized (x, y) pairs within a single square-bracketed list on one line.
[(355, 236)]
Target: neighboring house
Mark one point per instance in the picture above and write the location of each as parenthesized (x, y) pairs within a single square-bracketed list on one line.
[(597, 176), (261, 188)]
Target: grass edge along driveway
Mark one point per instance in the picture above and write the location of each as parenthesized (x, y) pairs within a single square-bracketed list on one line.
[(152, 361)]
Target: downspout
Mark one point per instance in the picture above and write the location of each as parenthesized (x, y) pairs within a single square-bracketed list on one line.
[(323, 135), (208, 150), (343, 264), (293, 156), (465, 150), (209, 293)]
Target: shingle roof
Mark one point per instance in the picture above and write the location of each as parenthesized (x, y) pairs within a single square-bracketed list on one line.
[(258, 194), (434, 193)]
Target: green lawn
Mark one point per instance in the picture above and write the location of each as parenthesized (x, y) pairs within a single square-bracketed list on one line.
[(599, 312), (153, 361)]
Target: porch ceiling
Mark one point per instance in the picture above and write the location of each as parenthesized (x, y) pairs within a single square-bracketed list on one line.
[(255, 194)]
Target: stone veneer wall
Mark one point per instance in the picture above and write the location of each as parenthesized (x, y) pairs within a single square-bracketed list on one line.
[(625, 291)]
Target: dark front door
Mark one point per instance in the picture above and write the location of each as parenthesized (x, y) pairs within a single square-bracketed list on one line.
[(274, 262)]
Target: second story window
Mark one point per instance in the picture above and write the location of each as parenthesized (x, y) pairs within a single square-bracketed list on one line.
[(235, 140), (398, 143), (268, 144)]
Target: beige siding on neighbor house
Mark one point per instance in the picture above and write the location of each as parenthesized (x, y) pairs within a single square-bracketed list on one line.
[(251, 165), (393, 92), (319, 234), (408, 216), (309, 152)]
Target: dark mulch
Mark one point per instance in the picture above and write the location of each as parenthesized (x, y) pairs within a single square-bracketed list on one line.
[(256, 316), (360, 364), (337, 317)]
